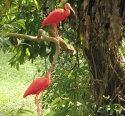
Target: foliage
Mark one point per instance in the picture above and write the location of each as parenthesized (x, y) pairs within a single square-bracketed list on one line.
[(70, 93), (111, 110), (24, 17)]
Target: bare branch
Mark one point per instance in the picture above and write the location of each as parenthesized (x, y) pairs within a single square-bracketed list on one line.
[(42, 36), (27, 37), (55, 57)]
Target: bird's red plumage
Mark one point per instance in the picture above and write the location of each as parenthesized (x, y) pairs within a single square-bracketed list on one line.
[(55, 17), (38, 85)]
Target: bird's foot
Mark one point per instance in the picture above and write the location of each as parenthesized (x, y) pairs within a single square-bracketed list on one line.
[(39, 111), (57, 37)]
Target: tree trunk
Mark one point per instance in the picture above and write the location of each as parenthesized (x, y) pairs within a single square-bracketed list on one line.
[(100, 27)]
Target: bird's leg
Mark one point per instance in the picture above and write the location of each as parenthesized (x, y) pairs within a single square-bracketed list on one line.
[(39, 110), (56, 31)]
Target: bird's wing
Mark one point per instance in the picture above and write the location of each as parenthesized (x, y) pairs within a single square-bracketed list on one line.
[(37, 86), (54, 17)]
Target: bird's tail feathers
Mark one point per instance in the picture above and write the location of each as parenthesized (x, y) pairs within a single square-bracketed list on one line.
[(25, 94), (43, 24)]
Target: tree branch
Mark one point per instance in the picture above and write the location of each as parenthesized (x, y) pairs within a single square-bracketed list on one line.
[(43, 37)]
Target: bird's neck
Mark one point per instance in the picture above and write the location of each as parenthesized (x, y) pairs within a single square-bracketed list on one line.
[(49, 81), (49, 76), (67, 12)]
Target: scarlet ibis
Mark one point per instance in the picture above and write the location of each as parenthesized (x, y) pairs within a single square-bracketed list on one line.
[(36, 87), (56, 16)]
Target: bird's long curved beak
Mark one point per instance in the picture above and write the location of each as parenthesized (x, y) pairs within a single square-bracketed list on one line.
[(72, 10)]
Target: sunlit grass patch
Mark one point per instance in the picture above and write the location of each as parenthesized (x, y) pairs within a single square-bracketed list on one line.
[(13, 84)]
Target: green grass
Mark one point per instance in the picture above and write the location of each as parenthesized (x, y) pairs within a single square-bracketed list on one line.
[(13, 84)]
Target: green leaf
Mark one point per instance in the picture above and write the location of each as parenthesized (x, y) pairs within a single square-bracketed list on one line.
[(51, 5), (17, 66), (36, 4), (55, 101), (21, 23)]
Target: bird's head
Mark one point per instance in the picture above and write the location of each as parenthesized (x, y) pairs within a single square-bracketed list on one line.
[(68, 6)]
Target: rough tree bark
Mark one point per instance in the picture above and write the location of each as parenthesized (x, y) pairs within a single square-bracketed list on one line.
[(100, 26)]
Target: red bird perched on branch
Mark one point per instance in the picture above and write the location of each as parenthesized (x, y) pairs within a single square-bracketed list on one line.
[(56, 16), (36, 87)]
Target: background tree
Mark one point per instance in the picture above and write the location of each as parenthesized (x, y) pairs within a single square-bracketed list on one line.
[(80, 87), (100, 26)]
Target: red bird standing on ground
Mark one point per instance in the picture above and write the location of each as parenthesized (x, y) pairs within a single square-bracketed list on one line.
[(56, 16), (37, 86)]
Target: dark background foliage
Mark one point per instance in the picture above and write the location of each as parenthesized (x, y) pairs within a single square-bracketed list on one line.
[(91, 82)]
